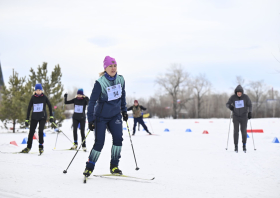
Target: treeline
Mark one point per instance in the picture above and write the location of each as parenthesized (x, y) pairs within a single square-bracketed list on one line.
[(192, 97), (17, 93)]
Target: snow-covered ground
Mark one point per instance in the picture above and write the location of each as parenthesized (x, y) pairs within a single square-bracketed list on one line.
[(184, 164)]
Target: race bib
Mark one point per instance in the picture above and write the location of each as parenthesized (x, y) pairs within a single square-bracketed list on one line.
[(239, 104), (114, 92), (38, 107), (79, 108)]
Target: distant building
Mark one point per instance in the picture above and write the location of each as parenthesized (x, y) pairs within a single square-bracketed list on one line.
[(1, 80)]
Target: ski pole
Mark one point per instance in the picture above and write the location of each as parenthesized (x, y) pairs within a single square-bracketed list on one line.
[(63, 133), (229, 129), (252, 135), (56, 141), (65, 171), (151, 126), (132, 146)]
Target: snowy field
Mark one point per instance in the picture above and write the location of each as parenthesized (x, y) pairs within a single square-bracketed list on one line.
[(184, 164)]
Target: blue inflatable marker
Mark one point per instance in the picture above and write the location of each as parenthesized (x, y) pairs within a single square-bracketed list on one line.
[(248, 135), (124, 128), (24, 141), (166, 130), (161, 122), (188, 130), (44, 134), (275, 140)]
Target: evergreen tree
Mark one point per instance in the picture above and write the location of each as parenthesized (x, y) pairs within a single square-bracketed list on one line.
[(12, 101), (52, 88)]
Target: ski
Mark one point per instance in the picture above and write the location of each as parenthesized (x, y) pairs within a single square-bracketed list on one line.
[(64, 150), (126, 176), (18, 152), (67, 150)]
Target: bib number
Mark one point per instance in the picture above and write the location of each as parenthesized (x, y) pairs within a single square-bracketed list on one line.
[(79, 108), (239, 104), (38, 107), (114, 92)]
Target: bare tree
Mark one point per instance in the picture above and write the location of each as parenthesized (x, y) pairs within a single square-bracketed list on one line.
[(256, 92), (201, 86), (240, 81), (173, 82)]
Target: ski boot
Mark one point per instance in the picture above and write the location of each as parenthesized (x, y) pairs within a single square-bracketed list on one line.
[(87, 172), (236, 148), (244, 148), (74, 147), (133, 133), (89, 169), (85, 149), (114, 169), (149, 133), (41, 151), (26, 150)]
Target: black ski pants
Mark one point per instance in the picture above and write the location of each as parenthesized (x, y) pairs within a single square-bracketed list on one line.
[(242, 121), (141, 121), (82, 129), (33, 126)]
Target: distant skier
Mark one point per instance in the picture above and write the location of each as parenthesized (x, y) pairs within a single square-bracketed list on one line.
[(39, 115), (241, 106), (107, 102), (137, 115), (79, 117)]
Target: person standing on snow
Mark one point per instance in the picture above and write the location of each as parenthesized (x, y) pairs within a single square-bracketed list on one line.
[(137, 115), (39, 115), (79, 117), (241, 106), (107, 102)]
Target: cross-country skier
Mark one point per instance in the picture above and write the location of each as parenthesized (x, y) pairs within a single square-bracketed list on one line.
[(241, 106), (137, 115), (107, 102), (39, 115), (79, 117)]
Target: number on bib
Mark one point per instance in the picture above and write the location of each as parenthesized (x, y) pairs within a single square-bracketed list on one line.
[(38, 107), (239, 104), (79, 108), (114, 92)]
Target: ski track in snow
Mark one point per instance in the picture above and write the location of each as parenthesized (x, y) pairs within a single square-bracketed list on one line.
[(184, 164)]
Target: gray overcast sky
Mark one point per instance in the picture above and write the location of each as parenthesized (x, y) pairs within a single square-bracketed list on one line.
[(219, 38)]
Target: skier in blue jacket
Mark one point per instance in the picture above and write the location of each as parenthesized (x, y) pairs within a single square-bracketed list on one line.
[(107, 103)]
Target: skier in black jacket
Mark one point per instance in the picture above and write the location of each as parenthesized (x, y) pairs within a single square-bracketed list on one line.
[(80, 102), (137, 115), (241, 106), (39, 115)]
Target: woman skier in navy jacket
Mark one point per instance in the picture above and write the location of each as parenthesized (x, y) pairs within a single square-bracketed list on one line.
[(107, 102)]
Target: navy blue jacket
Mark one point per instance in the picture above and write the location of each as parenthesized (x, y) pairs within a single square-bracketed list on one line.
[(99, 106)]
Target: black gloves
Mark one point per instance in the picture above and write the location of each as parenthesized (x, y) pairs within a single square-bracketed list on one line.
[(125, 116), (91, 125), (51, 119), (87, 99), (249, 115), (26, 123), (231, 107), (65, 95)]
